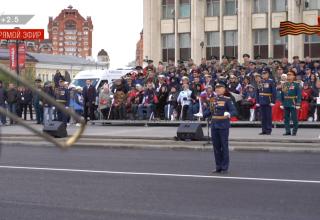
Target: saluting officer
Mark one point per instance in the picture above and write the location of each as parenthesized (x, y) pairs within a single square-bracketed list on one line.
[(266, 96), (221, 108), (291, 102), (62, 97)]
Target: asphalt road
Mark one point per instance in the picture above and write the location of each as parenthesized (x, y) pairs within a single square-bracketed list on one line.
[(47, 183)]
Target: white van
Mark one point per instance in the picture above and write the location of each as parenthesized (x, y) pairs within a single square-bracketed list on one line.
[(98, 77)]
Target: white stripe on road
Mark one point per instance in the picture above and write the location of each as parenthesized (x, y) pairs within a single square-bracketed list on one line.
[(159, 174)]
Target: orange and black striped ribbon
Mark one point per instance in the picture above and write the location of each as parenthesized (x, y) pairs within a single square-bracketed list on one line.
[(290, 28)]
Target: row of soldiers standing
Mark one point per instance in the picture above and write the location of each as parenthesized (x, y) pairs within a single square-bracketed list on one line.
[(290, 99)]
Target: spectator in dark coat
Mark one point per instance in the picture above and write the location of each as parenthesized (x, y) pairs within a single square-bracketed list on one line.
[(89, 99), (2, 103), (12, 98)]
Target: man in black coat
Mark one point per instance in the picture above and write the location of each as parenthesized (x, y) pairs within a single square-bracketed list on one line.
[(3, 95), (89, 99), (12, 99), (27, 103)]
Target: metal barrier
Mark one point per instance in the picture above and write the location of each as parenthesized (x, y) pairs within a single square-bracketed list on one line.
[(70, 141)]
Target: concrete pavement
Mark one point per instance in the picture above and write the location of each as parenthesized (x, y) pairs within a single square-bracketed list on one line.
[(163, 137)]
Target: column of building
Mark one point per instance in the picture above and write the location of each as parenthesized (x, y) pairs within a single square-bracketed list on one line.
[(152, 19), (197, 30), (295, 43), (245, 42)]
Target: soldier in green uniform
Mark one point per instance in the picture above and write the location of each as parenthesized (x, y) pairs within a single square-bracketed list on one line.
[(291, 101)]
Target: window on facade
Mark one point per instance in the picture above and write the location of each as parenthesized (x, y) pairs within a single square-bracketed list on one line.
[(279, 5), (167, 9), (230, 7), (185, 46), (231, 43), (313, 5), (168, 45), (70, 25), (213, 8), (261, 43), (312, 46), (260, 6), (280, 45), (213, 44), (185, 9)]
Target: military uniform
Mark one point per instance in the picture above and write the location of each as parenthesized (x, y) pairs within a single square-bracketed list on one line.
[(62, 97), (222, 109), (266, 98), (291, 100)]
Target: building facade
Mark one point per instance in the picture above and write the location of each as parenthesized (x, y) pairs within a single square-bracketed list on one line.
[(183, 29), (71, 34)]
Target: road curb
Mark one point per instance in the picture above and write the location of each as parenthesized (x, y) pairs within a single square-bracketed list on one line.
[(202, 147)]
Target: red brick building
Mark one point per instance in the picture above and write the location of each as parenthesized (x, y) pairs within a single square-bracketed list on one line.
[(70, 33), (139, 51)]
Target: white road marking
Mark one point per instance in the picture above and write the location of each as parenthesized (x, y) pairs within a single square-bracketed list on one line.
[(159, 174)]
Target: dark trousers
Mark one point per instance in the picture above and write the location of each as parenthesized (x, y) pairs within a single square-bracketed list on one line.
[(220, 140), (12, 107), (62, 117), (39, 113), (290, 113), (25, 111), (105, 113), (3, 118), (313, 108), (184, 114), (88, 111), (266, 118)]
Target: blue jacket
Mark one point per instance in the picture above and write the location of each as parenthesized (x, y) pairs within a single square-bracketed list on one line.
[(218, 106), (266, 92)]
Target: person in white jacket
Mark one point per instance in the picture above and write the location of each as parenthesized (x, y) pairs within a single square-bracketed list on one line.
[(184, 99)]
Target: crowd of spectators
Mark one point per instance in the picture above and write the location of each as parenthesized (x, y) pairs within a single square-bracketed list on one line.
[(172, 92)]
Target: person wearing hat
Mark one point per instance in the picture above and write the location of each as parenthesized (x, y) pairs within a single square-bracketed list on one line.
[(62, 97), (221, 109), (291, 102), (149, 68), (266, 98), (37, 102)]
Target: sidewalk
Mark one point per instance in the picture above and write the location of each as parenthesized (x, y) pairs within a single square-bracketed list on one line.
[(305, 135), (129, 137)]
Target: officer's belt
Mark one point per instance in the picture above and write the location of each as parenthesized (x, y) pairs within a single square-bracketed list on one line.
[(290, 97), (62, 101), (219, 117), (265, 94)]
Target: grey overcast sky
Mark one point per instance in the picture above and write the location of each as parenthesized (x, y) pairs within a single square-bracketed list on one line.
[(117, 23)]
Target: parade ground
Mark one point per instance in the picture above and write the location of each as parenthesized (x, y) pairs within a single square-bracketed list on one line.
[(82, 183), (121, 172)]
